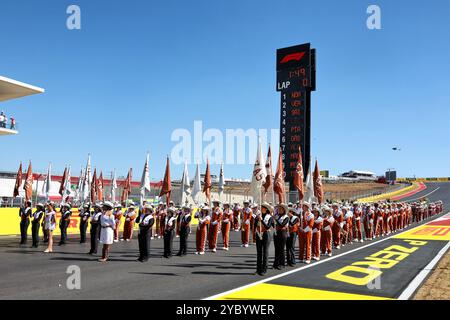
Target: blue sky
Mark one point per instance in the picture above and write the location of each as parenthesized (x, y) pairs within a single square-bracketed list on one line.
[(137, 70)]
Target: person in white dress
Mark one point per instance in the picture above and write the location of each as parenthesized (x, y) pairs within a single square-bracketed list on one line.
[(108, 224), (50, 224)]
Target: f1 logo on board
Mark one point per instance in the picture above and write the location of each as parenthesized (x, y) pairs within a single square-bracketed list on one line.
[(293, 56)]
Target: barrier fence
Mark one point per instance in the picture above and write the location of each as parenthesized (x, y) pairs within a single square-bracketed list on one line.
[(442, 179)]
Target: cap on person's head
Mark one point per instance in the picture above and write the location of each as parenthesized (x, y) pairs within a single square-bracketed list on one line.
[(40, 205), (284, 206), (216, 202), (307, 204), (108, 204), (267, 206), (205, 208), (172, 209)]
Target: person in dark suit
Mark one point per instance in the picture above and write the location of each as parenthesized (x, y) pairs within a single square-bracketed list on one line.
[(64, 222), (25, 212), (281, 220), (263, 228), (145, 221), (36, 223), (84, 221), (185, 228), (169, 231)]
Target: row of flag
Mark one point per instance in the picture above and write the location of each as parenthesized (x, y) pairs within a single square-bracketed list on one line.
[(91, 188), (196, 189), (263, 179)]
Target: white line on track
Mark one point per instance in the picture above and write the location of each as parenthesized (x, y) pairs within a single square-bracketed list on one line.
[(424, 195), (310, 265), (417, 281)]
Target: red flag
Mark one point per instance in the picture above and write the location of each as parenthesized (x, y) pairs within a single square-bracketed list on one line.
[(94, 187), (269, 177), (167, 183), (278, 186), (63, 182), (100, 187), (207, 182), (298, 175), (127, 186), (18, 181), (318, 187), (28, 187)]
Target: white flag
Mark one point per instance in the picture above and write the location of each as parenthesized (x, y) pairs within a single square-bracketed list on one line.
[(197, 187), (67, 187), (259, 175), (79, 186), (185, 185), (309, 187), (221, 181), (145, 180), (47, 183), (87, 180), (113, 186)]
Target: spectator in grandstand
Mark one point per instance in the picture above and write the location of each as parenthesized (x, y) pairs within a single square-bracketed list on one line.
[(12, 123), (3, 119)]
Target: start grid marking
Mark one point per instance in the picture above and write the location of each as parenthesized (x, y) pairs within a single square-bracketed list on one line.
[(408, 253)]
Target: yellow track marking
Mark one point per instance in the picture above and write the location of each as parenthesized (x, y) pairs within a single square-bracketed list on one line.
[(267, 291)]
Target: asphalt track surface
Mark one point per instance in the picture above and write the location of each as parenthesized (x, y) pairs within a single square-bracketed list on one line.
[(27, 273)]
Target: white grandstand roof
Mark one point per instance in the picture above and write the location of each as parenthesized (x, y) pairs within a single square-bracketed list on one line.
[(362, 172), (12, 89)]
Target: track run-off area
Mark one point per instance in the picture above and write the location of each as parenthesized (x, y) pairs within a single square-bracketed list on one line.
[(28, 273)]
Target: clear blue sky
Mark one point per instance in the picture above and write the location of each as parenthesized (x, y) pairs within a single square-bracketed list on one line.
[(137, 70)]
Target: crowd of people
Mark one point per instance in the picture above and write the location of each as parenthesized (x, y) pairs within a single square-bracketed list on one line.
[(4, 121), (318, 228)]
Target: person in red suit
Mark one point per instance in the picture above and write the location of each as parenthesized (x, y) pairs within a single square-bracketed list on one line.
[(305, 230), (369, 220), (227, 221), (203, 222), (337, 225), (216, 218), (236, 215), (348, 228), (326, 235), (357, 215), (130, 217), (246, 215), (316, 234)]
